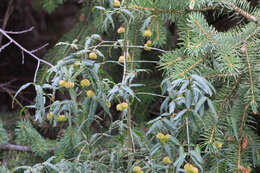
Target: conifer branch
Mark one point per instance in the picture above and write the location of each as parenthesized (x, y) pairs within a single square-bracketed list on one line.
[(191, 67), (204, 32), (219, 75), (244, 13), (232, 90), (250, 76), (158, 11), (240, 137)]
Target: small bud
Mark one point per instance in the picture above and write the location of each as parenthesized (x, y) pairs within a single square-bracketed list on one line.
[(244, 143), (243, 49)]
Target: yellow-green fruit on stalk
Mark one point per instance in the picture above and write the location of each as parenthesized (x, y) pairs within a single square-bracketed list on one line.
[(92, 55), (147, 33), (116, 3), (167, 160), (85, 83), (62, 83), (90, 93), (121, 30)]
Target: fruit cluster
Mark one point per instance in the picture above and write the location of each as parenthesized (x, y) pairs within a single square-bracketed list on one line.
[(66, 84), (163, 138), (61, 118)]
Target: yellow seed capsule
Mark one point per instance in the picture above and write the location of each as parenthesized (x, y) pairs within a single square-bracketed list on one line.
[(147, 33), (160, 136), (167, 160), (62, 83), (137, 169), (121, 30), (121, 59), (119, 107), (90, 93), (69, 85), (62, 118), (92, 55), (189, 168), (124, 105), (116, 3), (149, 43), (146, 47), (167, 137), (85, 83), (218, 144)]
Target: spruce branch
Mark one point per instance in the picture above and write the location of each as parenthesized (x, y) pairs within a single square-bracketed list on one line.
[(240, 137), (191, 67), (250, 76), (204, 32), (244, 13)]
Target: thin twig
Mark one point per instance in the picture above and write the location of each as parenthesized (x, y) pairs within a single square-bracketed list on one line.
[(5, 45), (6, 18), (20, 32), (23, 49), (35, 50)]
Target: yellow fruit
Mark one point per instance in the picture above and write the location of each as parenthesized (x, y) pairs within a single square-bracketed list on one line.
[(149, 43), (146, 47), (218, 144), (137, 169), (189, 168), (62, 118), (49, 116), (121, 59), (69, 85), (116, 3), (119, 107), (85, 83), (90, 93), (147, 33), (124, 105), (160, 136), (167, 137), (167, 160), (121, 30), (92, 55), (62, 83)]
